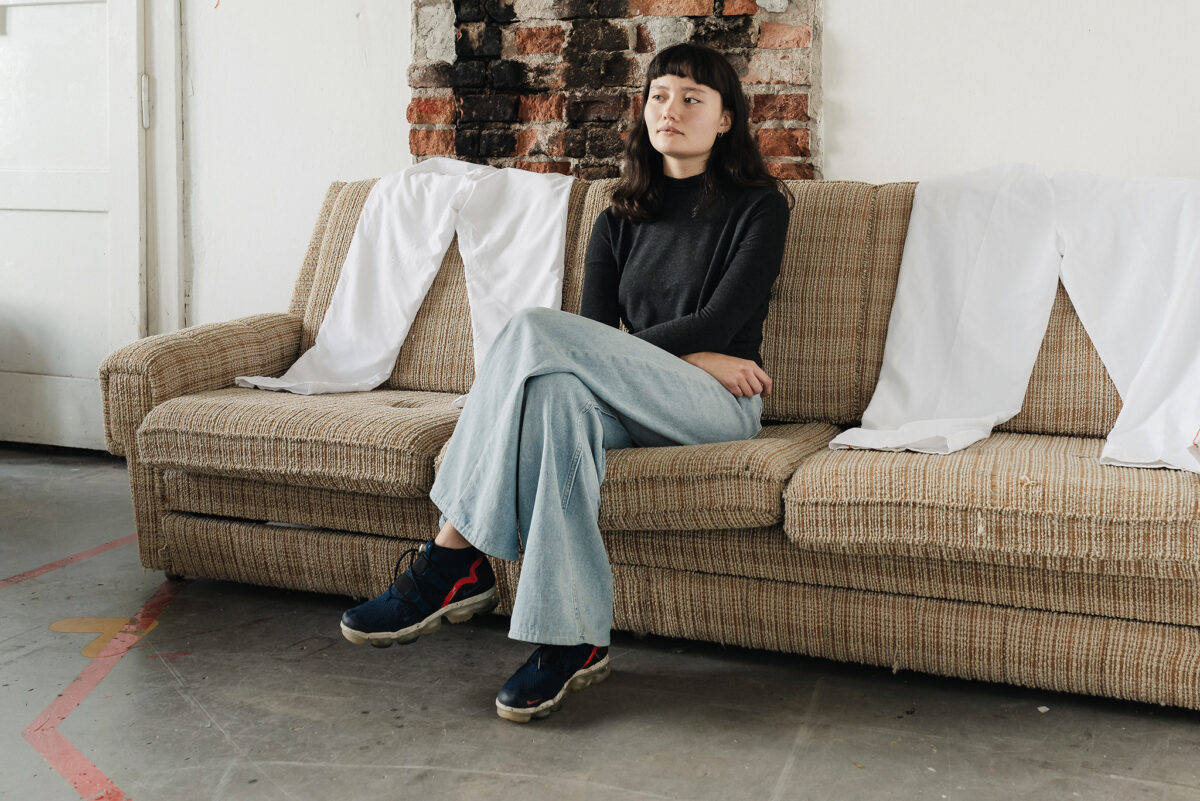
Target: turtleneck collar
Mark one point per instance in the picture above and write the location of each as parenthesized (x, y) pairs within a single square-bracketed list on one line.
[(691, 183)]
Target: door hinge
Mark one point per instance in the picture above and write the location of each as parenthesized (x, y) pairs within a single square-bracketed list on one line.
[(145, 93)]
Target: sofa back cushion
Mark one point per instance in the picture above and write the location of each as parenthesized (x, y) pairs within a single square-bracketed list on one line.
[(822, 340)]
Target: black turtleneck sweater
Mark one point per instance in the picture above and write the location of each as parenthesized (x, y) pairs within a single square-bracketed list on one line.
[(689, 284)]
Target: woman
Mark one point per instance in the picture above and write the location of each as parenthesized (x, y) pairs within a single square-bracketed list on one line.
[(685, 256)]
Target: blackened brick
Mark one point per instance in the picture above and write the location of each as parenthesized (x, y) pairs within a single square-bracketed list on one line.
[(594, 172), (430, 75), (508, 75), (470, 74), (497, 143), (618, 70), (488, 108), (499, 11), (603, 142), (477, 41), (466, 142), (726, 33), (597, 108), (593, 35), (468, 11)]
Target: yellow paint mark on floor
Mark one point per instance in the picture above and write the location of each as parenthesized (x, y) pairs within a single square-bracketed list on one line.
[(105, 627)]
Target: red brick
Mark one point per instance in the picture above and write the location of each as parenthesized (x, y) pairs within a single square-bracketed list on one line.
[(734, 7), (779, 107), (645, 42), (790, 171), (783, 141), (539, 40), (424, 142), (779, 35), (527, 142), (544, 166), (434, 110), (541, 108), (671, 8)]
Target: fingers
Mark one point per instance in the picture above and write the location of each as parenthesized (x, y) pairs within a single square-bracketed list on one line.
[(766, 381)]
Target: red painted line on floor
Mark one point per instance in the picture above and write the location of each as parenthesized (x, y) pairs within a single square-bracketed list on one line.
[(70, 560), (43, 735)]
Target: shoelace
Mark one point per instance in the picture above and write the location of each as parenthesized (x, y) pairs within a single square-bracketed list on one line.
[(414, 554)]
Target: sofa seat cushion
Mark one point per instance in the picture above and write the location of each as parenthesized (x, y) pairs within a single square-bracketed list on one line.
[(716, 486), (377, 442), (1017, 499)]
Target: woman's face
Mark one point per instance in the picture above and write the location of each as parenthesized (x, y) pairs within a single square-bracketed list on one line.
[(683, 118)]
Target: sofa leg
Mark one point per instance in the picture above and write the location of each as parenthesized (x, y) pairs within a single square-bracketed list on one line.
[(174, 576)]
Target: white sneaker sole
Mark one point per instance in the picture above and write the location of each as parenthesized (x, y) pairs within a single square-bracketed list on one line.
[(580, 681), (455, 613)]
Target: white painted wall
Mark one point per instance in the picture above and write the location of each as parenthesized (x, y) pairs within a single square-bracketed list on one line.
[(281, 97), (917, 89)]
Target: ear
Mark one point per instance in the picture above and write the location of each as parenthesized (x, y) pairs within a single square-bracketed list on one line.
[(726, 122)]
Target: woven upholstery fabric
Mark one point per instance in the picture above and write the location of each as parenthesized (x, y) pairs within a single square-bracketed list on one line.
[(302, 289), (280, 556), (338, 231), (1069, 392), (889, 230), (766, 553), (381, 442), (720, 485), (1010, 499), (811, 335), (1117, 658), (315, 507), (194, 359), (1111, 657), (1137, 661)]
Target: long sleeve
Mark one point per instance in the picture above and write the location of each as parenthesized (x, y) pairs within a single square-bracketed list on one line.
[(743, 292), (601, 277)]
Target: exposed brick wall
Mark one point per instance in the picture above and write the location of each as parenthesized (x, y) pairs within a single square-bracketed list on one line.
[(551, 85)]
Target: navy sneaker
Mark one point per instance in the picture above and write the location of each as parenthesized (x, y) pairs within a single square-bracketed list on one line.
[(420, 596), (538, 687)]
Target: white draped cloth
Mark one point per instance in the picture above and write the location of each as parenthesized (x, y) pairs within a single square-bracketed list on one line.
[(973, 298), (1131, 264), (977, 281), (511, 227)]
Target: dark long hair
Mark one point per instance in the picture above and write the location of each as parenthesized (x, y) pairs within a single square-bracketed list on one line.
[(735, 160)]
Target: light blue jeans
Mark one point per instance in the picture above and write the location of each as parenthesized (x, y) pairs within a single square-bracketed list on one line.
[(524, 466)]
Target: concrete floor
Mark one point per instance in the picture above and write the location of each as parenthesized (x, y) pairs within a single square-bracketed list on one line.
[(245, 692)]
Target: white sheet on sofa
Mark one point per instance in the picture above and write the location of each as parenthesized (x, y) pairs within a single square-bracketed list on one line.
[(977, 281), (1131, 264), (512, 236)]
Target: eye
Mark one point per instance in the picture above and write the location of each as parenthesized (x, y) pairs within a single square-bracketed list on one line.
[(689, 99)]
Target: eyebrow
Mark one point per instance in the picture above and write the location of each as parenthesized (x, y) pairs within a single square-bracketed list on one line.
[(686, 87)]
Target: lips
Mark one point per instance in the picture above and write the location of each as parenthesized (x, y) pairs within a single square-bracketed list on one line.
[(668, 130)]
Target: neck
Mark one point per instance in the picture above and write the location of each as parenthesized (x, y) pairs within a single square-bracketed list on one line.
[(684, 168)]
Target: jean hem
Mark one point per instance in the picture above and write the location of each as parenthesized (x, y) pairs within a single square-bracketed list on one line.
[(555, 639)]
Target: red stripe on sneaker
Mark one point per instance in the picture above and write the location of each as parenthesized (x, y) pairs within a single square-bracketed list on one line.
[(468, 579), (591, 656)]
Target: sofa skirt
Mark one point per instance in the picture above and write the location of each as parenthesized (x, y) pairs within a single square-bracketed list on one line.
[(1084, 653)]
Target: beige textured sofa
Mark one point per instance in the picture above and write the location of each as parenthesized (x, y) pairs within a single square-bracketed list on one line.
[(1020, 559)]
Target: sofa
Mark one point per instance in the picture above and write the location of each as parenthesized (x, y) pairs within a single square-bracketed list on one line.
[(1020, 559)]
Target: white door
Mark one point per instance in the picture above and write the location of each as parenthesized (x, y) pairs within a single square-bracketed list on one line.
[(72, 253)]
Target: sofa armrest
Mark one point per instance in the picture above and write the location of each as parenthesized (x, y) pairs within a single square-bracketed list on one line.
[(136, 378)]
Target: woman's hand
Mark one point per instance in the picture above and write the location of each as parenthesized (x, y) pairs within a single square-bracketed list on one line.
[(742, 377)]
